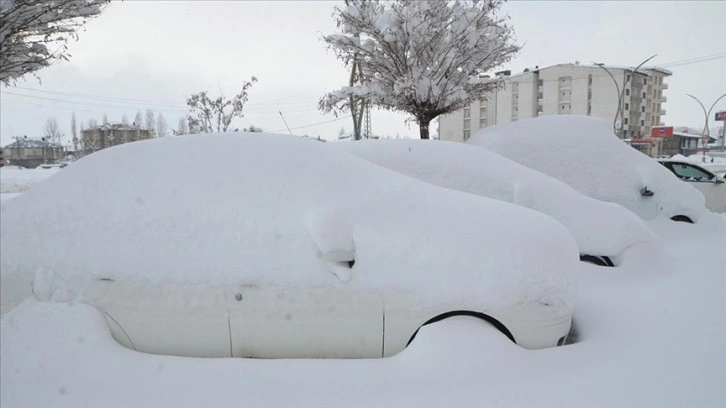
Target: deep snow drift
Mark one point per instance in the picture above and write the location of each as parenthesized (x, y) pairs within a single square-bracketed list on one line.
[(600, 228), (651, 335), (266, 209), (583, 152)]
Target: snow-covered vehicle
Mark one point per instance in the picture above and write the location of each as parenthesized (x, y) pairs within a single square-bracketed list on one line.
[(603, 231), (583, 152), (265, 245), (712, 185)]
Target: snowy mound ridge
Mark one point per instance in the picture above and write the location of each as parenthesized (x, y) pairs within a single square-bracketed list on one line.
[(583, 152), (267, 209), (600, 228)]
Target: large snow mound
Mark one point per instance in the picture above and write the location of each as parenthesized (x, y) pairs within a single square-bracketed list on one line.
[(583, 152), (266, 209), (600, 228)]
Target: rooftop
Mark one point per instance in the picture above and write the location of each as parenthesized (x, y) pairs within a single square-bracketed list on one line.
[(30, 143)]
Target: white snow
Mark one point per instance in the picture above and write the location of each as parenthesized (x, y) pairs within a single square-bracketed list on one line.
[(583, 152), (265, 209), (650, 334), (15, 179), (600, 228)]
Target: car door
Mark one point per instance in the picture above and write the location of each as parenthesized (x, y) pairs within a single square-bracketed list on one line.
[(179, 320), (712, 187), (289, 322)]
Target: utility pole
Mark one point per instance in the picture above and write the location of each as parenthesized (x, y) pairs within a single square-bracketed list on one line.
[(706, 134), (367, 127), (618, 130)]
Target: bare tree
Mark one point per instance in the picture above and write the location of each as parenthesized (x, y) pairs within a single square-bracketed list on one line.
[(35, 33), (74, 132), (53, 135), (209, 115), (105, 119), (124, 120), (420, 57), (161, 127), (137, 125)]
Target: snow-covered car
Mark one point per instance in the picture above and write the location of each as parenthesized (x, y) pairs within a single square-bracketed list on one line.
[(710, 184), (603, 231), (265, 245), (583, 152)]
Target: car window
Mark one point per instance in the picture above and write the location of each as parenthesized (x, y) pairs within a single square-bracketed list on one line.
[(690, 172)]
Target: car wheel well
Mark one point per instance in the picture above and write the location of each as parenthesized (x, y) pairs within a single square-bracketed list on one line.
[(494, 322), (682, 218), (597, 260)]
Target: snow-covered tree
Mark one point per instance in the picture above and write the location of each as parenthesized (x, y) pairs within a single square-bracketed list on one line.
[(105, 119), (420, 57), (181, 127), (161, 127), (215, 115), (52, 132), (124, 120), (150, 121), (35, 33)]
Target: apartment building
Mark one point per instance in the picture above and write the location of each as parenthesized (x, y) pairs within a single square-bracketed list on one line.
[(566, 89)]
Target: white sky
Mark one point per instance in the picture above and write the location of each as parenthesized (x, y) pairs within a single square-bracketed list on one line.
[(141, 55)]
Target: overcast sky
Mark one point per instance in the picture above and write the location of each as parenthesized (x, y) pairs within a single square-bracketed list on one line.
[(141, 55)]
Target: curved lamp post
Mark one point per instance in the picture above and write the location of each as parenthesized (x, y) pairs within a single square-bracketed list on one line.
[(706, 132), (621, 96)]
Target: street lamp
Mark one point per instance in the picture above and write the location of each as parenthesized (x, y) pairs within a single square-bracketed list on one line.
[(621, 95), (706, 133)]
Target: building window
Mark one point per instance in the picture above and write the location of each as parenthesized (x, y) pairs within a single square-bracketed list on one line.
[(642, 122), (540, 82), (467, 112), (482, 112), (627, 106), (467, 134), (589, 109), (642, 108), (627, 92), (467, 123), (589, 79), (628, 78), (482, 122), (625, 121), (643, 95)]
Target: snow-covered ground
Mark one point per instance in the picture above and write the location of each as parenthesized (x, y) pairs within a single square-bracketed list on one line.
[(15, 180), (651, 333)]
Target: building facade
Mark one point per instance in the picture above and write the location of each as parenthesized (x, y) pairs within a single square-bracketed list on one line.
[(566, 89), (31, 153), (101, 137)]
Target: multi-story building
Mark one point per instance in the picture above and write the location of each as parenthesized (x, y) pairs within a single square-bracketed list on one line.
[(31, 153), (108, 135), (566, 89)]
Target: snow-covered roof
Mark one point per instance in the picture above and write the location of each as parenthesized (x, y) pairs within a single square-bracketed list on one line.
[(114, 126), (600, 228), (30, 143)]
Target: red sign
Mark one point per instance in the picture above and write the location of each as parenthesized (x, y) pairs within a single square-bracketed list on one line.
[(661, 131), (721, 116)]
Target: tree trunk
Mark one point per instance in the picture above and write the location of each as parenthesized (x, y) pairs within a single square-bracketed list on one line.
[(423, 126)]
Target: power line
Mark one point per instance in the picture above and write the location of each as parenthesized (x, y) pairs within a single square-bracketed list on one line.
[(312, 124)]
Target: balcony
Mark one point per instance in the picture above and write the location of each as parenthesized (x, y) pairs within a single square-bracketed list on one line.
[(664, 86), (662, 112), (663, 99)]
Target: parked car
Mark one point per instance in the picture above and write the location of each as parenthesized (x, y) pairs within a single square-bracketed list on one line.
[(271, 246), (711, 185), (604, 231), (583, 152)]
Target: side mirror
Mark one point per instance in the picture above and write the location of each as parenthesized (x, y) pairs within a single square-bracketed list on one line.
[(718, 181)]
